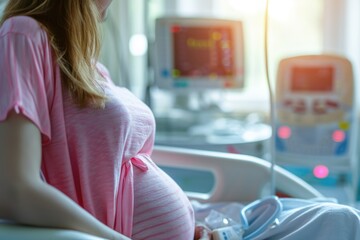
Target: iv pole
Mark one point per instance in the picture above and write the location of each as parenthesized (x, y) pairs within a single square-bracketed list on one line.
[(271, 98)]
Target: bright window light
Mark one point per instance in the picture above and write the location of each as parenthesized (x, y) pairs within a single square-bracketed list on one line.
[(138, 45)]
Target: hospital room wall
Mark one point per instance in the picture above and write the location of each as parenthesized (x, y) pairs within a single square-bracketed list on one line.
[(125, 20), (342, 20), (2, 5), (352, 46), (352, 38)]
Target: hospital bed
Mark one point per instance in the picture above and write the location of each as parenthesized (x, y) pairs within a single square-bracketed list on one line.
[(239, 178)]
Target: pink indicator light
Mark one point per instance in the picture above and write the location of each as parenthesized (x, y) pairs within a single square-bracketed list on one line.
[(338, 136), (321, 171), (284, 132)]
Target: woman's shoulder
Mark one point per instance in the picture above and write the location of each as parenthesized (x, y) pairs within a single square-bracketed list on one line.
[(21, 25)]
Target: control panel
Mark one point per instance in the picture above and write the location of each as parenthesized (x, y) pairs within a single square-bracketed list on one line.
[(315, 112)]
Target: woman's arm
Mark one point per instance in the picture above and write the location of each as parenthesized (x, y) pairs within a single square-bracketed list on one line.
[(24, 197)]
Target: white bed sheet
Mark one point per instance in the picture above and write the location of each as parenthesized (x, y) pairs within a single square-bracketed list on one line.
[(314, 219)]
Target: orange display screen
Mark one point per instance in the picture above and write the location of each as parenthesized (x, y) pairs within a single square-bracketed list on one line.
[(203, 51), (312, 79)]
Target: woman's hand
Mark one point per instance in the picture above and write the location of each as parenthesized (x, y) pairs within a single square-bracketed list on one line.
[(202, 232)]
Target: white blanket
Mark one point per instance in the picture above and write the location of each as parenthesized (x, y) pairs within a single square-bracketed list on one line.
[(299, 220)]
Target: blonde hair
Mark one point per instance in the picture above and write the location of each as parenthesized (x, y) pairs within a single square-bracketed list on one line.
[(73, 30)]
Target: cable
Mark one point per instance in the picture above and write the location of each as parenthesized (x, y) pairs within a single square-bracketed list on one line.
[(271, 98)]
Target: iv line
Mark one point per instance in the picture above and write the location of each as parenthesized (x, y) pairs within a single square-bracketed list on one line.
[(271, 98)]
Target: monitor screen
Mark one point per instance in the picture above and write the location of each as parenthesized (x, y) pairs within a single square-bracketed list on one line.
[(312, 79), (203, 51), (198, 53)]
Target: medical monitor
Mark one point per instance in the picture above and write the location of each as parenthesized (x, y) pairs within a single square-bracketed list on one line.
[(315, 111), (197, 54)]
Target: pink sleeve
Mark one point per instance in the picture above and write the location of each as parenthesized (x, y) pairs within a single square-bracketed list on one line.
[(22, 79)]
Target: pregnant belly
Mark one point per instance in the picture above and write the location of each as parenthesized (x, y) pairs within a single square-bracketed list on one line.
[(161, 209)]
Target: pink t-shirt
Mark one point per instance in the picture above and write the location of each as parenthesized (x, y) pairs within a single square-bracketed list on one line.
[(100, 158)]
